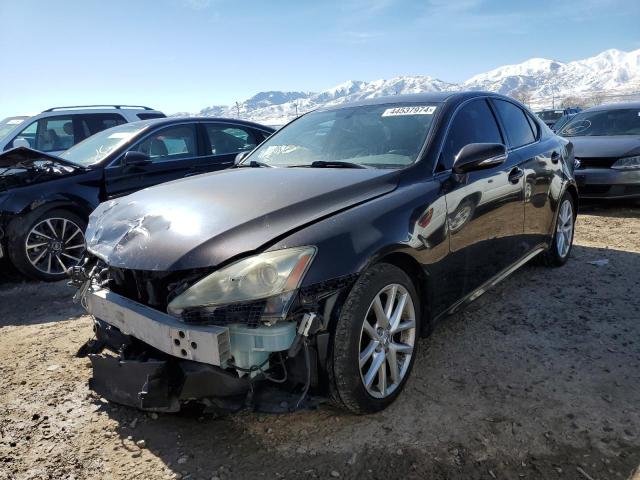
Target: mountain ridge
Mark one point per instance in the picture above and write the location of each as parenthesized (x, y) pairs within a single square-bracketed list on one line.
[(613, 71)]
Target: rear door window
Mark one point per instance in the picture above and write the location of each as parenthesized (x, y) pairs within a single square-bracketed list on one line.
[(90, 124), (171, 143), (515, 123), (473, 123), (228, 139)]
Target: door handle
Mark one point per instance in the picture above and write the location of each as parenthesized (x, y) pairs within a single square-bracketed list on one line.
[(555, 157), (516, 174)]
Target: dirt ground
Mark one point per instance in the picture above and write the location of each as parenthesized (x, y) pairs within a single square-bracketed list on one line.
[(539, 378)]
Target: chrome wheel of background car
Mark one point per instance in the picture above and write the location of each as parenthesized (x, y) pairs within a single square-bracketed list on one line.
[(564, 230), (387, 340), (54, 245)]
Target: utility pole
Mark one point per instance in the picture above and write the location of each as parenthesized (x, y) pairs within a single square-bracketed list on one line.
[(238, 109), (296, 105)]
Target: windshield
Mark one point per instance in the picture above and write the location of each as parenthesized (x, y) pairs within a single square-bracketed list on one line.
[(9, 124), (548, 115), (379, 136), (95, 148), (604, 123)]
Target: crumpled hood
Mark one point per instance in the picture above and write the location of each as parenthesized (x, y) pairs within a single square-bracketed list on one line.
[(603, 147), (24, 166), (205, 220)]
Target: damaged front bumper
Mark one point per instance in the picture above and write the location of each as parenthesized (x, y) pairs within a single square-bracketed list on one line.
[(201, 343), (155, 362), (162, 363), (163, 384)]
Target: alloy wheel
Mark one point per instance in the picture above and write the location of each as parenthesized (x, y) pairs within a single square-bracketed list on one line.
[(564, 230), (54, 245), (387, 341)]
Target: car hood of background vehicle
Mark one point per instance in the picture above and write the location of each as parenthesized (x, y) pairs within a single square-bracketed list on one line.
[(603, 147), (24, 166), (206, 220)]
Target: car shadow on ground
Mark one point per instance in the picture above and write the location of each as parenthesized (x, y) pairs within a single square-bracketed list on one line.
[(538, 374)]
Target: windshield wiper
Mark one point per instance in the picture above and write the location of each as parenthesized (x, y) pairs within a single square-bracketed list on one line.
[(335, 164), (255, 164)]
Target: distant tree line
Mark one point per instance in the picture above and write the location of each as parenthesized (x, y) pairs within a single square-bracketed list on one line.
[(588, 99)]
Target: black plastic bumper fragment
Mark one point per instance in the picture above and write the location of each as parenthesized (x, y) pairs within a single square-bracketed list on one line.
[(161, 385), (143, 385)]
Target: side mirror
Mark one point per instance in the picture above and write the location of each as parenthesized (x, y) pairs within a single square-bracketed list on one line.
[(21, 142), (135, 159), (479, 156), (240, 157)]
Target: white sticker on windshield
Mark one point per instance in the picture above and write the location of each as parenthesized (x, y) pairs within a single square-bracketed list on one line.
[(121, 135), (417, 110)]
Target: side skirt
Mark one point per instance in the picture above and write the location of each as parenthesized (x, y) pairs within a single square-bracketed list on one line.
[(489, 283)]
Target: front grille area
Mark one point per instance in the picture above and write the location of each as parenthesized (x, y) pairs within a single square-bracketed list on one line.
[(596, 162), (154, 289), (148, 288)]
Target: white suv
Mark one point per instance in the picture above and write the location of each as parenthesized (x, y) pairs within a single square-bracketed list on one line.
[(57, 129)]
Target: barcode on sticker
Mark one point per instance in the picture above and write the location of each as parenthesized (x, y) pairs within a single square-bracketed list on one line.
[(416, 110)]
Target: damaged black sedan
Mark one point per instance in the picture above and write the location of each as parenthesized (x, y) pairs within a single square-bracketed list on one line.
[(45, 200), (311, 269)]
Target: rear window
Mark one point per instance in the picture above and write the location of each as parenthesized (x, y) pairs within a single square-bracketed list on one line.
[(549, 115), (149, 116)]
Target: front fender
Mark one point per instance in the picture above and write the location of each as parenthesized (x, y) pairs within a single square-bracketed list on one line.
[(411, 220)]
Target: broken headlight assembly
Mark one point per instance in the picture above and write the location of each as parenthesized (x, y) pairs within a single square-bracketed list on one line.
[(271, 277)]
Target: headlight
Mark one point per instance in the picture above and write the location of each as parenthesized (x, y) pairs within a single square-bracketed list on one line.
[(627, 163), (274, 275)]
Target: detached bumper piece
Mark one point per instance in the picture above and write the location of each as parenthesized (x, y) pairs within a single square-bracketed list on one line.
[(166, 385)]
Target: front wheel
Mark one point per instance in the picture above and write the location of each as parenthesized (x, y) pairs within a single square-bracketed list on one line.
[(375, 340), (562, 242), (44, 246)]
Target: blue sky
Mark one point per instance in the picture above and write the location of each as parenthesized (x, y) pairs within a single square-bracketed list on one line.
[(183, 55)]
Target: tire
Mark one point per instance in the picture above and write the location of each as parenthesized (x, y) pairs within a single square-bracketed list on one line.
[(346, 377), (38, 252), (557, 254)]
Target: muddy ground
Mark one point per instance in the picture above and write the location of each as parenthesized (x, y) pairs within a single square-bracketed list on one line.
[(537, 379)]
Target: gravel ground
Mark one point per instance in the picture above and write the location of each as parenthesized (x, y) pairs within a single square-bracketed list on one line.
[(537, 379)]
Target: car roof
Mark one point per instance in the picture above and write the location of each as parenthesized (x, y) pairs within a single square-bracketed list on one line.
[(171, 120), (429, 97), (83, 108), (614, 106)]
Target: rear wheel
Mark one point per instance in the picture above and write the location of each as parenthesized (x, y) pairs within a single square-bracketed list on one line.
[(45, 246), (375, 340), (562, 242)]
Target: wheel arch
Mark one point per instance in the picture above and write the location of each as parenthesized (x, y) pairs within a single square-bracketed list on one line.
[(420, 278)]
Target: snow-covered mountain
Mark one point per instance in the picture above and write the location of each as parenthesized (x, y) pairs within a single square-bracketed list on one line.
[(612, 71)]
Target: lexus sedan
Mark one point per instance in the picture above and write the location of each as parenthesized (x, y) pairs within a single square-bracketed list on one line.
[(606, 142), (45, 200), (311, 270)]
